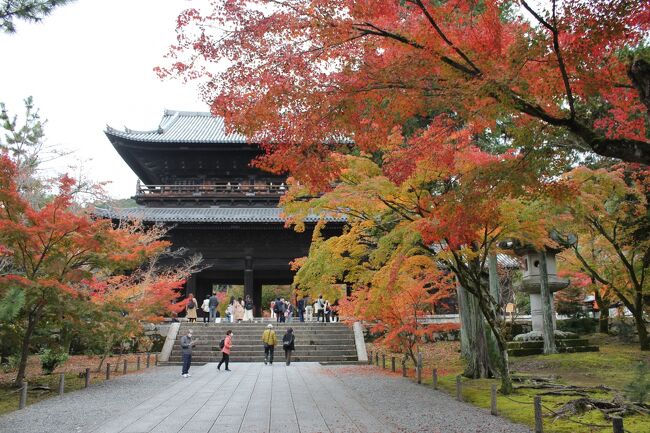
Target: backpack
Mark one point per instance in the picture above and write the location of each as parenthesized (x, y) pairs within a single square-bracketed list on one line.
[(222, 343)]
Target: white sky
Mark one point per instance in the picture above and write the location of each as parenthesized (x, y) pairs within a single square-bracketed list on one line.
[(90, 64)]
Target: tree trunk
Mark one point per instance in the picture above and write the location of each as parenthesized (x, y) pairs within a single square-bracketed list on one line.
[(32, 319), (644, 343), (474, 345), (547, 307), (603, 307)]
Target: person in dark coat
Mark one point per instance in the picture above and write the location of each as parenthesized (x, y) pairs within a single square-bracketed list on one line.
[(301, 309), (288, 344)]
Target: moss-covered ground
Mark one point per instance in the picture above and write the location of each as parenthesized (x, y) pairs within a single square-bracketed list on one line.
[(613, 366)]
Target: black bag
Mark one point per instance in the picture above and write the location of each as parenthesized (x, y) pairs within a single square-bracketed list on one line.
[(191, 305), (222, 343)]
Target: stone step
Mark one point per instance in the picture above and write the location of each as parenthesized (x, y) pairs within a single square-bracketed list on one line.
[(315, 342), (540, 350), (258, 340), (569, 342)]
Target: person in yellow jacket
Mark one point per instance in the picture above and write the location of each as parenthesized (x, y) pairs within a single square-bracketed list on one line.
[(270, 340)]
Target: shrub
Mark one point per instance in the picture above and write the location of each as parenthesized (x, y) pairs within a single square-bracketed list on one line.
[(51, 359), (578, 325)]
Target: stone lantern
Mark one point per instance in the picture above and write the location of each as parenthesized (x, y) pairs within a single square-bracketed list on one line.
[(531, 281)]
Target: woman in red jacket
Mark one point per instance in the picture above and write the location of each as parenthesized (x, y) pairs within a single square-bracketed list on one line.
[(225, 350)]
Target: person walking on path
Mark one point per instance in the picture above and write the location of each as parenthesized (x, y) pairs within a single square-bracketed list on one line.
[(270, 340), (187, 343), (288, 344), (238, 311), (213, 303), (225, 350), (248, 309), (206, 310), (190, 308)]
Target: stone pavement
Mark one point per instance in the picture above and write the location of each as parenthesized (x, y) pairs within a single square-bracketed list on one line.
[(302, 398)]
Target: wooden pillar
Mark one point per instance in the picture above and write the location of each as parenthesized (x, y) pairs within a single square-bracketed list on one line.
[(257, 298), (249, 282)]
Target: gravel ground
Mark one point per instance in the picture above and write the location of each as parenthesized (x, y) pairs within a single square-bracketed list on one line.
[(81, 411), (397, 405), (416, 408)]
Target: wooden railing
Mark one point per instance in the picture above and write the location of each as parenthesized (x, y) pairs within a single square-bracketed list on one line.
[(211, 190)]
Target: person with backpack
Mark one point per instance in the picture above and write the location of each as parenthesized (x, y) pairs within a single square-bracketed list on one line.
[(225, 345), (190, 308), (248, 309), (277, 308), (282, 308), (288, 344), (270, 340), (187, 344), (213, 303)]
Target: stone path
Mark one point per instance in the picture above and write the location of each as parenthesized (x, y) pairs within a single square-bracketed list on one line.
[(254, 398)]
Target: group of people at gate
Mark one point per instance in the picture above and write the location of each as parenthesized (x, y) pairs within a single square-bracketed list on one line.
[(269, 341), (321, 310), (282, 310)]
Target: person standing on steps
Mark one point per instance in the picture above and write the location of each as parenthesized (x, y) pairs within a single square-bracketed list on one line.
[(206, 310), (301, 309), (270, 340), (187, 344), (238, 310), (190, 308), (248, 309), (288, 344), (213, 303), (225, 345), (320, 309)]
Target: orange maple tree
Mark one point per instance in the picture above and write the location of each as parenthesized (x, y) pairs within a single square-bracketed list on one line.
[(305, 77), (57, 256)]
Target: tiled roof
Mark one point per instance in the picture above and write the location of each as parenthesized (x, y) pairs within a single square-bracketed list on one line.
[(183, 127), (201, 215)]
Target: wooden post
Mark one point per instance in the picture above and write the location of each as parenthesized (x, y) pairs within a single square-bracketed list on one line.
[(392, 364), (61, 383), (377, 359), (617, 424), (156, 363), (138, 363), (539, 425), (435, 378), (23, 395), (419, 367), (148, 356), (404, 367), (459, 390), (87, 384), (117, 365), (493, 398), (383, 361), (124, 368), (108, 371)]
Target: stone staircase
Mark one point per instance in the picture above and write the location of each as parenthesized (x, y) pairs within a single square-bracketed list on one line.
[(314, 341)]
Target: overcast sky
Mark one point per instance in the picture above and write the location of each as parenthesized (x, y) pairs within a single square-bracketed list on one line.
[(90, 64)]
